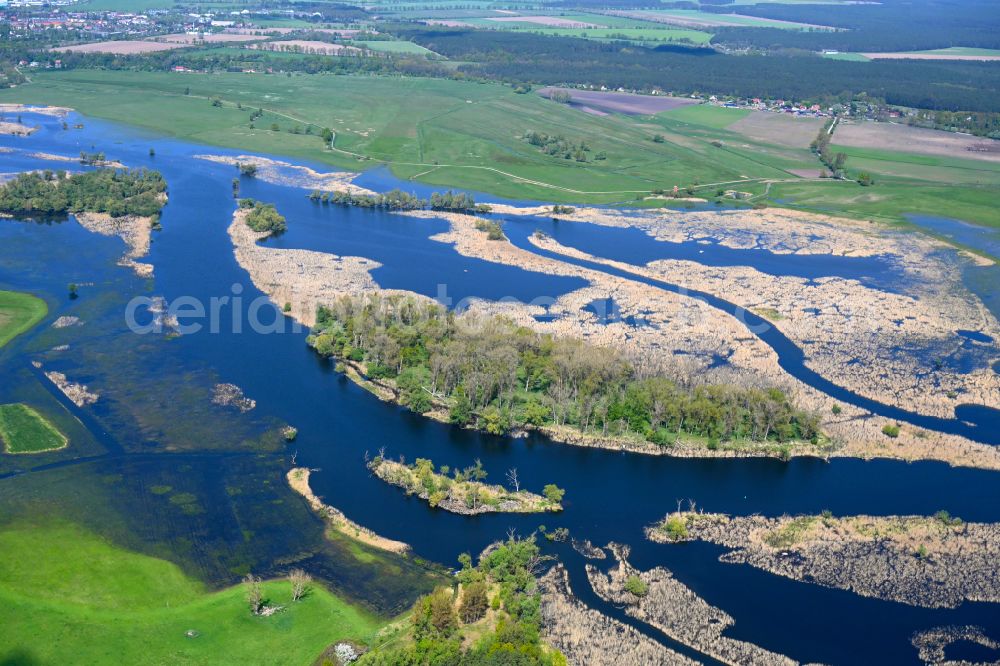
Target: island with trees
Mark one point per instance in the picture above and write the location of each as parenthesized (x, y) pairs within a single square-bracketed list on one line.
[(464, 491), (263, 217), (116, 192), (489, 374)]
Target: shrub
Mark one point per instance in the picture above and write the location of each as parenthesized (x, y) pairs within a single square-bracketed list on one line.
[(675, 528), (636, 586), (890, 430)]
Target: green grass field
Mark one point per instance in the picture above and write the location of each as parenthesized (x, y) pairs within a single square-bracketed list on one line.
[(18, 313), (67, 596), (23, 430), (707, 115), (464, 135)]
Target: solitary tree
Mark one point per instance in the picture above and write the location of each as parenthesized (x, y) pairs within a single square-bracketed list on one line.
[(300, 583), (254, 594), (512, 477)]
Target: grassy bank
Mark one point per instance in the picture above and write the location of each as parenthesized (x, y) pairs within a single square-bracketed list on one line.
[(470, 136), (67, 596), (18, 313)]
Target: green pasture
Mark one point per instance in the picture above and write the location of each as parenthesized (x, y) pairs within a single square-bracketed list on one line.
[(69, 596), (18, 313)]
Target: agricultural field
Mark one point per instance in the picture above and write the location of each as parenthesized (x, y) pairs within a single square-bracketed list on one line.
[(383, 46), (707, 115), (121, 47), (899, 137), (955, 53), (96, 603), (691, 18), (18, 313), (600, 102), (23, 430)]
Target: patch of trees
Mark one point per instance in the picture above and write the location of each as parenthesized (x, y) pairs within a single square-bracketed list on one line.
[(116, 192), (525, 58), (496, 376), (397, 199), (821, 146), (505, 580), (263, 217), (557, 145), (392, 200)]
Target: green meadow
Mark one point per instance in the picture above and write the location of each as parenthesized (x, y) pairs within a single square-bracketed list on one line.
[(18, 313), (23, 430), (467, 135), (68, 596)]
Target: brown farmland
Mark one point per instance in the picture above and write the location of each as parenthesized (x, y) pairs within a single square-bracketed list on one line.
[(782, 129), (120, 47), (547, 21), (592, 101), (903, 138)]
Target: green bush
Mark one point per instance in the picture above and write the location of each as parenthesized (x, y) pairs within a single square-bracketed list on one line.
[(637, 586)]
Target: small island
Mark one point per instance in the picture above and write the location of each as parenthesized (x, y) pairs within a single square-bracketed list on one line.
[(463, 492), (934, 561)]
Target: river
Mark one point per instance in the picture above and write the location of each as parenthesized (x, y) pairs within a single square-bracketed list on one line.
[(154, 420)]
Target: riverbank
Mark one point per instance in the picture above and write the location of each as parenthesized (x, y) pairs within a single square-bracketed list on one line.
[(298, 480), (933, 562)]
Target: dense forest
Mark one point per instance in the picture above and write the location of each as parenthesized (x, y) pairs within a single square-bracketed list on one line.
[(503, 581), (496, 376), (889, 25), (113, 191), (526, 58)]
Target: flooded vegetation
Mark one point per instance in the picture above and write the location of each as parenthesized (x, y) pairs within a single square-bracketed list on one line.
[(166, 464), (937, 561)]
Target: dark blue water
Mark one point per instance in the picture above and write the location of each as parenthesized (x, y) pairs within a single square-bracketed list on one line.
[(978, 424), (609, 495), (410, 260), (634, 246)]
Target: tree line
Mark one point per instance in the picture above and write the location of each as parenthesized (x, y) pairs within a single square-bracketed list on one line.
[(496, 376), (524, 58), (116, 192), (397, 199)]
